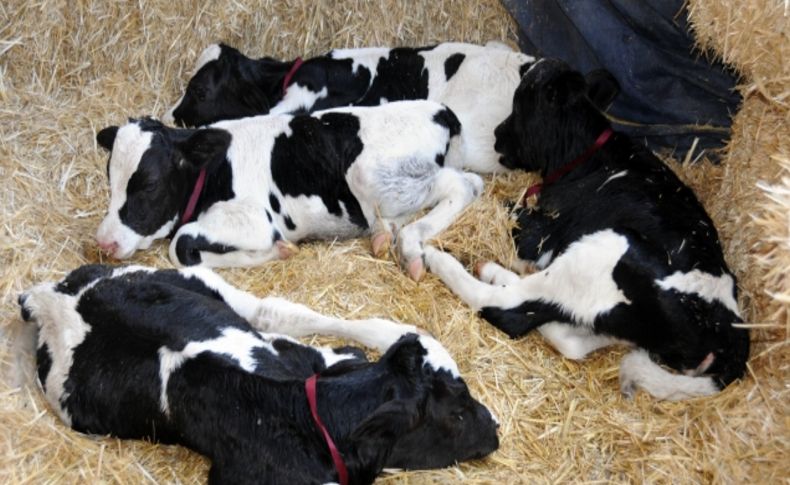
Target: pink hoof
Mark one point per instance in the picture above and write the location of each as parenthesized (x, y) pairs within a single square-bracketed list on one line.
[(479, 267), (381, 243), (416, 269)]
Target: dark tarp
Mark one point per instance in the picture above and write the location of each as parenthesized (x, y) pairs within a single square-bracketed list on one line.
[(671, 93)]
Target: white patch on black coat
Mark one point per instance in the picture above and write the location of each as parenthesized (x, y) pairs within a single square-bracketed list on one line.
[(367, 57), (579, 281), (233, 343), (298, 98), (708, 287), (62, 329)]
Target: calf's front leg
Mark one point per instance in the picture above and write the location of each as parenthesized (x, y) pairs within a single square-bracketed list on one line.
[(230, 234), (280, 316), (475, 293)]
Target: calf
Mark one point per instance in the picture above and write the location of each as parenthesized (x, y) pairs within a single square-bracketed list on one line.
[(181, 357), (626, 252), (476, 82), (237, 193)]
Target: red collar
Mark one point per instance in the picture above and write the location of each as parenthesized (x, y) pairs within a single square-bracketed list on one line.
[(340, 466), (287, 79), (557, 174), (193, 199)]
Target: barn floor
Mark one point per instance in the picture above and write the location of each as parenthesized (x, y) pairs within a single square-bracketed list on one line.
[(67, 69)]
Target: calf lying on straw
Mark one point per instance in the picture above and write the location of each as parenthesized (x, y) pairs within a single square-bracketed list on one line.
[(476, 82), (627, 253), (180, 357), (239, 193)]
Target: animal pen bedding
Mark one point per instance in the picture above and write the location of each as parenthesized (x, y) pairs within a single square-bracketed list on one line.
[(67, 69)]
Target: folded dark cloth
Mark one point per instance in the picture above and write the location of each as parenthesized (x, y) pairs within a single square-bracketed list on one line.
[(671, 93)]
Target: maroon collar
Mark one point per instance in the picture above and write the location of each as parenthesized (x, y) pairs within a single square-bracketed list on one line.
[(193, 199), (340, 466), (287, 79), (560, 172)]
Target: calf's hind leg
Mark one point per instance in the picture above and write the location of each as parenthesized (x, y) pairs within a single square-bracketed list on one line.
[(450, 193)]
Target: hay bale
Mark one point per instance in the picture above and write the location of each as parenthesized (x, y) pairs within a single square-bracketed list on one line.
[(69, 68)]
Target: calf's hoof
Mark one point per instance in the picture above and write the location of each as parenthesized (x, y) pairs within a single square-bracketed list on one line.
[(416, 269), (479, 267), (381, 243), (628, 388), (286, 249)]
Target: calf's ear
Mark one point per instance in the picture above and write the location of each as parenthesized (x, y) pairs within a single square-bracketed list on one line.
[(565, 87), (203, 147), (106, 137), (376, 435), (405, 357), (602, 88)]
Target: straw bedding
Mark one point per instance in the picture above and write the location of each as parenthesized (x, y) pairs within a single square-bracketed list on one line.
[(70, 68)]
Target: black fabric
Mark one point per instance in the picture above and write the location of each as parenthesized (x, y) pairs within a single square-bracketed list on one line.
[(671, 93)]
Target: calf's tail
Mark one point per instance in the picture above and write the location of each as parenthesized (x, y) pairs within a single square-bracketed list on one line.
[(638, 370)]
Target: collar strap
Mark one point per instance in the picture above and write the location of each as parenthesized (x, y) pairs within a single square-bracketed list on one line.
[(193, 199), (340, 466), (562, 171), (288, 77)]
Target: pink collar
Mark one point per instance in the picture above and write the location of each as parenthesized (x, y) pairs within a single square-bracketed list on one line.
[(340, 465), (193, 199), (557, 174), (287, 80)]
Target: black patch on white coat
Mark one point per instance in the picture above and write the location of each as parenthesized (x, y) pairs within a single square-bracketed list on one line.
[(314, 159), (289, 223), (518, 321), (451, 65), (44, 362), (274, 202), (447, 119), (344, 86), (402, 75), (188, 249)]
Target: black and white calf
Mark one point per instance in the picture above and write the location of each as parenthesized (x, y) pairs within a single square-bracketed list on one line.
[(476, 82), (275, 179), (627, 253), (182, 357)]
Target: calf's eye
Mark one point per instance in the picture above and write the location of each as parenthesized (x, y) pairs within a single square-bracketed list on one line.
[(199, 93)]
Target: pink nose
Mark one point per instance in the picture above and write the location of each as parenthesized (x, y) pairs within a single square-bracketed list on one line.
[(108, 247)]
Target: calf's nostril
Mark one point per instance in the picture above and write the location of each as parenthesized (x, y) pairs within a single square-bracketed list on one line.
[(108, 247)]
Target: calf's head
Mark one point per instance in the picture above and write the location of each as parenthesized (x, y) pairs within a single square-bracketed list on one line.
[(226, 85), (152, 169), (430, 411), (556, 115)]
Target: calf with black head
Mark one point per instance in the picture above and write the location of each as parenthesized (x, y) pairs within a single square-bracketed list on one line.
[(626, 252), (476, 82), (180, 356)]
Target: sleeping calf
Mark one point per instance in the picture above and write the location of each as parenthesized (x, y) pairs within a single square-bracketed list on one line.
[(476, 82), (627, 253), (236, 193), (181, 357)]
